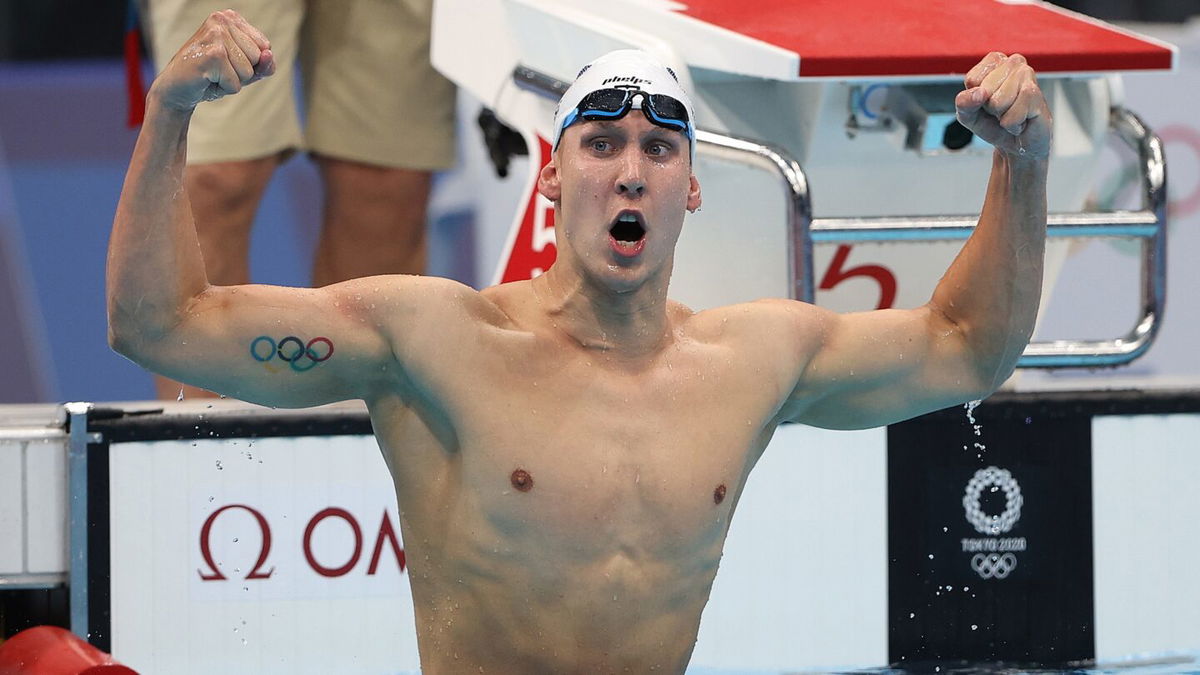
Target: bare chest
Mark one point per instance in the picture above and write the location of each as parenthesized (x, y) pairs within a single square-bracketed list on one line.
[(650, 461)]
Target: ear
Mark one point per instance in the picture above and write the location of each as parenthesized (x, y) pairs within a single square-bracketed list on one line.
[(548, 182), (693, 199)]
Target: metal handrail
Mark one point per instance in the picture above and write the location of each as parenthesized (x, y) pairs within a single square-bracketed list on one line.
[(1148, 224)]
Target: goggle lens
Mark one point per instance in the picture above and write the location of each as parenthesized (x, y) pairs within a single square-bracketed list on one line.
[(609, 104)]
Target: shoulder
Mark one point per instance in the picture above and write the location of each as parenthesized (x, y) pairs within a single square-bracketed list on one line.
[(765, 321), (411, 296)]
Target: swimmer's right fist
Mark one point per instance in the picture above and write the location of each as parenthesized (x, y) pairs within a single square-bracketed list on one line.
[(226, 54)]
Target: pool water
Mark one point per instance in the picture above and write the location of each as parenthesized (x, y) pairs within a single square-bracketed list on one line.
[(1173, 664)]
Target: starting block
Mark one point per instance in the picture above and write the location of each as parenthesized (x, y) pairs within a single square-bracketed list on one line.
[(832, 168)]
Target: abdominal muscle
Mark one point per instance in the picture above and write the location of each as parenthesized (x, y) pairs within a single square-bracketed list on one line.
[(498, 615), (583, 621), (604, 564)]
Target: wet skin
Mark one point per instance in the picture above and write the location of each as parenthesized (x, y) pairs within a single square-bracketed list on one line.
[(563, 487), (567, 452)]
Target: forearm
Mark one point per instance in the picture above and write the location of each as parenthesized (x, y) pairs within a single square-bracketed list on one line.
[(992, 290), (154, 261)]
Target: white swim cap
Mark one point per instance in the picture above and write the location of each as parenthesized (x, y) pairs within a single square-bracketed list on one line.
[(623, 69)]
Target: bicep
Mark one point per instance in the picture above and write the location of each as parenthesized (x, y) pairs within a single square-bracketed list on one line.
[(879, 367), (287, 347)]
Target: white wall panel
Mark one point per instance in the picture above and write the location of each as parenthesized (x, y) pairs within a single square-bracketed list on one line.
[(47, 502), (12, 534), (1146, 493)]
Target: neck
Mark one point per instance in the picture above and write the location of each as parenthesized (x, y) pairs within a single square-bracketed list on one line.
[(628, 324)]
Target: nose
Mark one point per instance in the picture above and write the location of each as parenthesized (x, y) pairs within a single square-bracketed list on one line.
[(631, 181)]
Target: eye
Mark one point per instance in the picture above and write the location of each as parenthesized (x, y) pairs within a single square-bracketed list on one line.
[(600, 145), (659, 149)]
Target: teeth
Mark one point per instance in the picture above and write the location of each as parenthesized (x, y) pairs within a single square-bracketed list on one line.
[(627, 218)]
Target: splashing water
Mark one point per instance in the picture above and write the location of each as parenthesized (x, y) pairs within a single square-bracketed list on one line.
[(971, 406)]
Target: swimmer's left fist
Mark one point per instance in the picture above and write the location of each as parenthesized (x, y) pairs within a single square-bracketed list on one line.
[(224, 55), (1003, 105)]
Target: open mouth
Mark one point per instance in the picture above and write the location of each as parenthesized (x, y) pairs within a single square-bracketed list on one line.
[(628, 230)]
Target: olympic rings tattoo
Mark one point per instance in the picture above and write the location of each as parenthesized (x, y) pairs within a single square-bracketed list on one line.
[(292, 350)]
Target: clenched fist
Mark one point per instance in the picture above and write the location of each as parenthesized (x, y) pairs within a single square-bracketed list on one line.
[(1003, 105), (226, 54)]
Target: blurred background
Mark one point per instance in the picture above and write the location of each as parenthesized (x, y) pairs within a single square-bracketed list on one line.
[(65, 144)]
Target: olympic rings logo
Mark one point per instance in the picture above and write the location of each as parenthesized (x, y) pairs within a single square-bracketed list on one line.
[(300, 356), (993, 565), (983, 522)]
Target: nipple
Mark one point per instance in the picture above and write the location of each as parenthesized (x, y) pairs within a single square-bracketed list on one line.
[(522, 480), (719, 494)]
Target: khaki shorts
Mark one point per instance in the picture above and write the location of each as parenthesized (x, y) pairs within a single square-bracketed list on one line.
[(370, 92)]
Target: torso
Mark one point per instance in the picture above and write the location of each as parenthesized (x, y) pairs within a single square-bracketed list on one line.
[(564, 510)]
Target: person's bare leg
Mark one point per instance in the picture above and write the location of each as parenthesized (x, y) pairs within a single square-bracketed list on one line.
[(374, 221), (225, 198)]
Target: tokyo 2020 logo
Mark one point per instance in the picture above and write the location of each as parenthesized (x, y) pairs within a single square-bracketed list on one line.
[(994, 557)]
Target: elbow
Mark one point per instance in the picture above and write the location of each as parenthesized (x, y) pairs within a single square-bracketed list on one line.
[(984, 360), (990, 378), (123, 340), (118, 330), (130, 338), (134, 327), (995, 364)]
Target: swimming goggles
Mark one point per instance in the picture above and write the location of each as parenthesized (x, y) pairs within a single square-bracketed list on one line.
[(613, 104)]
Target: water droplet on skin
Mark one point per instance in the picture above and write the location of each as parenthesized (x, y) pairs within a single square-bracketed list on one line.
[(180, 394)]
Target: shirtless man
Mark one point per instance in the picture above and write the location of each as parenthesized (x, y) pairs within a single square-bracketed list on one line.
[(567, 452)]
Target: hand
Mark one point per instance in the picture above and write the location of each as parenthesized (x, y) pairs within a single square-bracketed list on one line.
[(1003, 105), (226, 54)]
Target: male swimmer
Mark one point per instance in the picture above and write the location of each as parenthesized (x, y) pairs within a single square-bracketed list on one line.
[(567, 452)]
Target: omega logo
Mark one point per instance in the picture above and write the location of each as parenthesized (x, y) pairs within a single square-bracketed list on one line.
[(386, 534)]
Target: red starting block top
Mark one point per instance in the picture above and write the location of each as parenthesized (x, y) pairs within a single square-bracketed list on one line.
[(866, 38)]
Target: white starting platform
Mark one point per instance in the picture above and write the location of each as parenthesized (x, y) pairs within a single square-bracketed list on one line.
[(832, 168)]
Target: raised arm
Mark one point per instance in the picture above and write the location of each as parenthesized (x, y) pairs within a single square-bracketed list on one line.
[(873, 368), (271, 345)]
